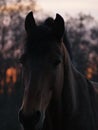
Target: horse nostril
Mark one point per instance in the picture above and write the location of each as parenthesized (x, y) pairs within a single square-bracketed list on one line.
[(36, 117), (34, 121)]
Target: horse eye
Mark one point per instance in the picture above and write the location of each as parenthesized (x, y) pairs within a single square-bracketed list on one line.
[(57, 61)]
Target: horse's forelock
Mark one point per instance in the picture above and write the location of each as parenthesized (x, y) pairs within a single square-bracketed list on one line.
[(49, 22)]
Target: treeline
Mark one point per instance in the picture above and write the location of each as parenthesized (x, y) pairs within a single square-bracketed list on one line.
[(82, 33), (83, 36)]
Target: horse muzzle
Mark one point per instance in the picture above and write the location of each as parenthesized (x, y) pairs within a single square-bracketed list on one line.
[(32, 122)]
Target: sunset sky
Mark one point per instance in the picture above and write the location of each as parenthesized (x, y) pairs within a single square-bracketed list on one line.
[(72, 7)]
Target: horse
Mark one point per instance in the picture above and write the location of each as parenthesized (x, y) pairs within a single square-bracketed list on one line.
[(56, 95)]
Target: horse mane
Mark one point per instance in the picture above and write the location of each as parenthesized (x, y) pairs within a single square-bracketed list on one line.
[(67, 44), (69, 89)]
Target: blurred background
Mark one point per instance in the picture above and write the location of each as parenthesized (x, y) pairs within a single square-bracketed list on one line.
[(81, 22)]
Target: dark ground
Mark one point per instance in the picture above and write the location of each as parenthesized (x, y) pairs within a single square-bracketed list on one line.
[(9, 107)]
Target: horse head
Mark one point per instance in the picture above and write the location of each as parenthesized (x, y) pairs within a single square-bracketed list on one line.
[(42, 70)]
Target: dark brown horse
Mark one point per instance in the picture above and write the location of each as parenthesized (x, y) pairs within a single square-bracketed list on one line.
[(56, 95)]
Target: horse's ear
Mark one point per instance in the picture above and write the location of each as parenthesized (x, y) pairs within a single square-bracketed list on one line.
[(59, 27), (29, 22)]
